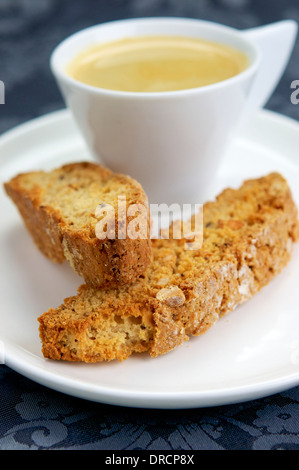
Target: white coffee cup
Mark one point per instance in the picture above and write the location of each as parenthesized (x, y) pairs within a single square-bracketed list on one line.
[(172, 142)]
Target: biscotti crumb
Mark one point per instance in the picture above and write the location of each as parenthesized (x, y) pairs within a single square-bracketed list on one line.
[(172, 296)]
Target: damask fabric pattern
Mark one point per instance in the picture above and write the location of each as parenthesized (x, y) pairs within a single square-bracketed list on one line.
[(34, 417)]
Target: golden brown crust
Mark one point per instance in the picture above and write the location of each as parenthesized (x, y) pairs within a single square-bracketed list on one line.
[(248, 238), (102, 263), (41, 222)]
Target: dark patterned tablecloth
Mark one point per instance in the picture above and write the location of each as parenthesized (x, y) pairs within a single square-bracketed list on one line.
[(34, 417)]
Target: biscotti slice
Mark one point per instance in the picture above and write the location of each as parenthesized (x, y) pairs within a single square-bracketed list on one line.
[(248, 238), (60, 209)]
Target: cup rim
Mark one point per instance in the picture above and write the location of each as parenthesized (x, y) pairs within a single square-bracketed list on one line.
[(61, 75)]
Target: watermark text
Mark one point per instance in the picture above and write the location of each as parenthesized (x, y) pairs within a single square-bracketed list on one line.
[(2, 361), (295, 94), (2, 92), (159, 221)]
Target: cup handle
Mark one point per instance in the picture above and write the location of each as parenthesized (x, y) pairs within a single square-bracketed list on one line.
[(276, 42)]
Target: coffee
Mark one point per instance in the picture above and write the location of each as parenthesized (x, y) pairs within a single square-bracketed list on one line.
[(156, 64)]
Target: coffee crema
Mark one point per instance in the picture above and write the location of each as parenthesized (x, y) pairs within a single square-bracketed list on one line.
[(156, 64)]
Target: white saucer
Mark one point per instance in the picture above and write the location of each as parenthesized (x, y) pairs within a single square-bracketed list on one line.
[(251, 353)]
